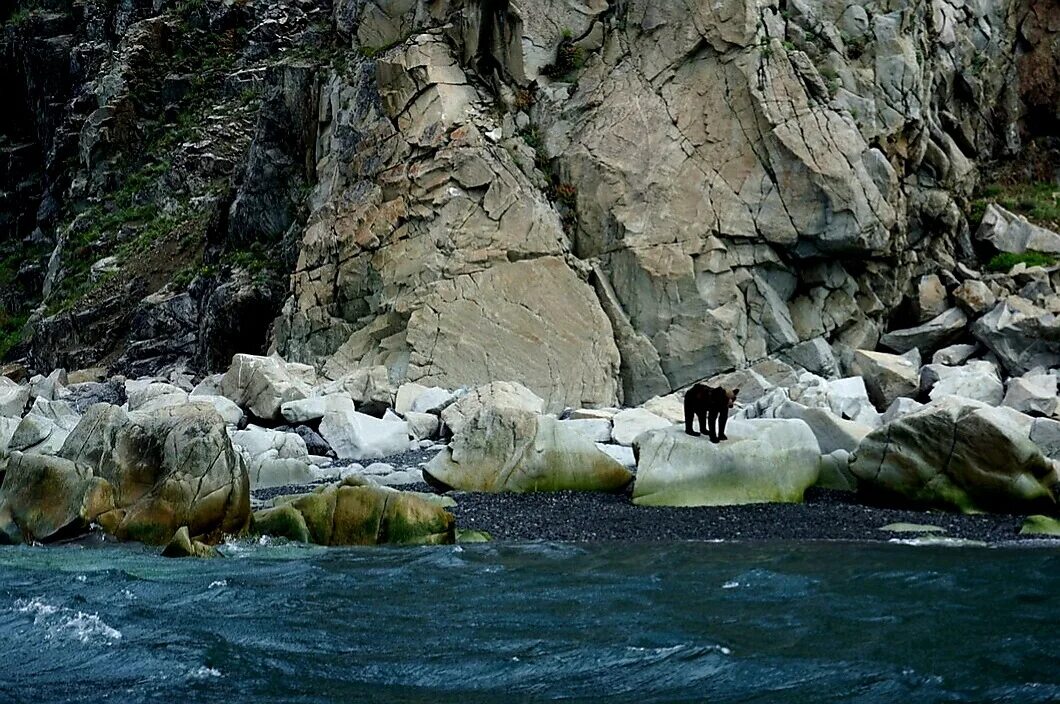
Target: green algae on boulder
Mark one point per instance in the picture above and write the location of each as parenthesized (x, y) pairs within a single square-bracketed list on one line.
[(355, 513), (1041, 525), (763, 461), (46, 498), (182, 545), (281, 522), (141, 476), (506, 449), (959, 455)]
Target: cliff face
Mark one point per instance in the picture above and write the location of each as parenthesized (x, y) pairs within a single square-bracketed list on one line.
[(603, 200)]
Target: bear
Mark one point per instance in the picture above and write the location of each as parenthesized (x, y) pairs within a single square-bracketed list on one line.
[(707, 401)]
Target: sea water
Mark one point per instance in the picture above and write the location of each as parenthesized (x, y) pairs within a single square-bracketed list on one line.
[(661, 622)]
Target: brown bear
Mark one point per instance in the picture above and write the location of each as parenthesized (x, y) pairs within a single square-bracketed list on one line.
[(703, 401)]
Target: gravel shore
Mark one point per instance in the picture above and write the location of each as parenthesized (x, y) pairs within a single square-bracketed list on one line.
[(586, 517), (826, 515)]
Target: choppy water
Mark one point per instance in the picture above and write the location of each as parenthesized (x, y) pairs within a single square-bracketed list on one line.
[(508, 623)]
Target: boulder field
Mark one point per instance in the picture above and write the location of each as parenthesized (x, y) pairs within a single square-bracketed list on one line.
[(175, 464)]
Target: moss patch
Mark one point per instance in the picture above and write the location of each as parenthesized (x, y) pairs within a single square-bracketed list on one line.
[(1038, 201), (1006, 260)]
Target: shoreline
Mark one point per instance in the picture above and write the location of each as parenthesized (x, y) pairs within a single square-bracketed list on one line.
[(825, 515)]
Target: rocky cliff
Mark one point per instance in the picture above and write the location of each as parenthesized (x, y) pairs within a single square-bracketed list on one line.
[(604, 200)]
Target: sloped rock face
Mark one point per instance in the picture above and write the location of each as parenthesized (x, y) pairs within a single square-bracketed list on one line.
[(603, 201), (718, 171)]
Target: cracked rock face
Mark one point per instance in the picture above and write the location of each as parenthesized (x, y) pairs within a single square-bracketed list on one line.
[(606, 202)]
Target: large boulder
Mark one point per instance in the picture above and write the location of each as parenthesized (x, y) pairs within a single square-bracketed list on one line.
[(954, 355), (832, 432), (501, 449), (929, 336), (273, 458), (369, 388), (1022, 335), (169, 468), (45, 428), (263, 384), (976, 380), (958, 455), (847, 398), (888, 376), (974, 297), (1009, 232), (358, 436), (498, 394), (631, 422), (1034, 393), (154, 395), (353, 513), (314, 408), (417, 398), (13, 398), (931, 299), (45, 498), (141, 476), (763, 461)]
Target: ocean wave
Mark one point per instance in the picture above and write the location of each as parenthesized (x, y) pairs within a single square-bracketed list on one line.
[(60, 622), (204, 673)]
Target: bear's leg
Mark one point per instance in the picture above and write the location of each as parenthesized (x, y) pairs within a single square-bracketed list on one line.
[(713, 421), (689, 416), (702, 414), (722, 420)]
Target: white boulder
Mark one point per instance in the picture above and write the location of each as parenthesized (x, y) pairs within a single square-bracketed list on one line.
[(888, 376), (832, 432), (596, 429), (631, 422), (498, 394), (263, 384), (763, 461), (357, 436), (313, 408), (505, 449), (976, 380), (1034, 393), (13, 398)]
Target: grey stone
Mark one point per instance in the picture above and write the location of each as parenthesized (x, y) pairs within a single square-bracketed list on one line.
[(930, 336)]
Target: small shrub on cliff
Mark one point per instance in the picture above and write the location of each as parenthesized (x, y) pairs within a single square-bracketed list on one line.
[(524, 99), (1037, 201), (10, 332), (566, 194), (1006, 260), (569, 58)]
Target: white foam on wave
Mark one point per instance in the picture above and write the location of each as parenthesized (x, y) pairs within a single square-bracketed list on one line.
[(934, 541), (218, 583), (666, 651), (730, 585), (203, 673), (63, 623)]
